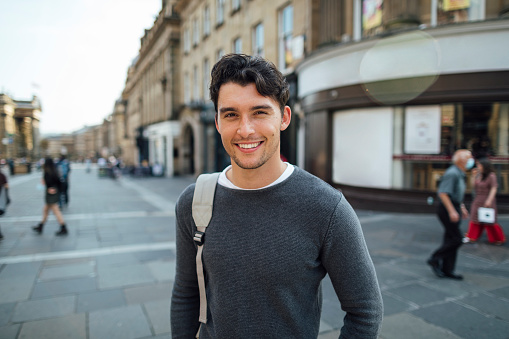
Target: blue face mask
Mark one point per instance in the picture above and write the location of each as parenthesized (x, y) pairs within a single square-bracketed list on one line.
[(470, 164)]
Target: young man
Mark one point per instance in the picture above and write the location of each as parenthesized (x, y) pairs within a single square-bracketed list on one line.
[(275, 232), (450, 211)]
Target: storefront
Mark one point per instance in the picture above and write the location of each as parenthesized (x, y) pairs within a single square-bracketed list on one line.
[(384, 115), (162, 139)]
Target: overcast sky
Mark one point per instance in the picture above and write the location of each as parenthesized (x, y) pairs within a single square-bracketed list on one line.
[(72, 54)]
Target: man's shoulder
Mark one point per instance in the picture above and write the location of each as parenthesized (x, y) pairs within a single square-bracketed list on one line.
[(309, 184), (185, 198), (453, 171)]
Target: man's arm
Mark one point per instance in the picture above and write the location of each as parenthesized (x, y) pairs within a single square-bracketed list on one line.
[(185, 301), (446, 201), (349, 265)]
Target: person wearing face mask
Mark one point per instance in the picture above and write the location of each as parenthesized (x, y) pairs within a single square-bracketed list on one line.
[(484, 183), (451, 209)]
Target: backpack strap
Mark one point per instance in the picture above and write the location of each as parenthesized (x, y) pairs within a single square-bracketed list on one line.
[(203, 200)]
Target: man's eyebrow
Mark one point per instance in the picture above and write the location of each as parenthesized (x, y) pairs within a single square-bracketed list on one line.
[(226, 109), (254, 108)]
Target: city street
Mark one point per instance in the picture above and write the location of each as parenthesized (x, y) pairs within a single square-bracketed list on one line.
[(111, 277)]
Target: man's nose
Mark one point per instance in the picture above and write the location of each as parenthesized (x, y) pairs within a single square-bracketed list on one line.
[(245, 127)]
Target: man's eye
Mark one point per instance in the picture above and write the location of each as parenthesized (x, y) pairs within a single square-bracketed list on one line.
[(229, 115), (261, 112)]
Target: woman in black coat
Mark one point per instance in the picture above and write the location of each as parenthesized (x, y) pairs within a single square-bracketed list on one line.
[(52, 182)]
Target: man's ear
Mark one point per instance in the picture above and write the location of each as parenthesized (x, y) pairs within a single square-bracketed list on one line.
[(217, 124), (287, 118)]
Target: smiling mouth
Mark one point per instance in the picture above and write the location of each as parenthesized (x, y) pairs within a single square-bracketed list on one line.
[(249, 146)]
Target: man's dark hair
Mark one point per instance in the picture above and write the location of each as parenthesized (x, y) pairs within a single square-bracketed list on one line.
[(243, 70)]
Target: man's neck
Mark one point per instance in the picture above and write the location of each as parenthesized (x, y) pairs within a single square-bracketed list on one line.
[(255, 178), (462, 168)]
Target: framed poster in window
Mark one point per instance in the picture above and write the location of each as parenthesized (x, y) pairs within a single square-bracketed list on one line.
[(422, 130)]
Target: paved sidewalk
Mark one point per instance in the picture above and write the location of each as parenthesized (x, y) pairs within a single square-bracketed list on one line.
[(112, 276)]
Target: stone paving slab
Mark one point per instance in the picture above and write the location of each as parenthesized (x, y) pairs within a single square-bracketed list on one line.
[(464, 322), (123, 276), (6, 310), (86, 269), (13, 289), (119, 323), (404, 326), (63, 287), (100, 300), (72, 326), (159, 314), (43, 308), (147, 293), (10, 331)]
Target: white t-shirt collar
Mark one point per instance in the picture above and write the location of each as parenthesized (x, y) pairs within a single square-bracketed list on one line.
[(224, 181)]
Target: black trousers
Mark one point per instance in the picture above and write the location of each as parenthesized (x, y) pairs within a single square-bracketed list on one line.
[(64, 193), (446, 254)]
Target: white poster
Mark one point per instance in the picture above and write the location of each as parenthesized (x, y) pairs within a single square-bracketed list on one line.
[(422, 130), (363, 147)]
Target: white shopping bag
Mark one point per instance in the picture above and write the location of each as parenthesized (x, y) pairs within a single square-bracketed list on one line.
[(486, 215)]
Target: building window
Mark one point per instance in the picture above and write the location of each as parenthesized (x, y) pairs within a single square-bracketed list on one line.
[(220, 12), (187, 41), (196, 32), (206, 21), (220, 53), (206, 72), (237, 45), (187, 89), (235, 5), (285, 37), (196, 84), (258, 40), (449, 11)]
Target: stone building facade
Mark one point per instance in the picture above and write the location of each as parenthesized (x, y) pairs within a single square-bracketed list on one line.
[(19, 127), (279, 30), (151, 93)]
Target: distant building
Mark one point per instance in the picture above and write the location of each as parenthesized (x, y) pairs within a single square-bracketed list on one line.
[(151, 126), (19, 127)]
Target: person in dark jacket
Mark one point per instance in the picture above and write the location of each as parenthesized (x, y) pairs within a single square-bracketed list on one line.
[(4, 193), (52, 182)]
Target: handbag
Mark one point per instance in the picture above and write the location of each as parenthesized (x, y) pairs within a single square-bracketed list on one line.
[(486, 215)]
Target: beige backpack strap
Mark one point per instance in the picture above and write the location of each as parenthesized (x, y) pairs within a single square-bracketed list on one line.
[(203, 200)]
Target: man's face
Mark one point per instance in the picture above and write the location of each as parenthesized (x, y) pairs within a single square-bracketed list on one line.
[(250, 125), (463, 158)]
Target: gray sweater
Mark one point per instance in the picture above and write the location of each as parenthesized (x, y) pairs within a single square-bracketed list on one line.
[(266, 252)]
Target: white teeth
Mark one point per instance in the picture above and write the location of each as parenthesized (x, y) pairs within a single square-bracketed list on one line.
[(246, 146)]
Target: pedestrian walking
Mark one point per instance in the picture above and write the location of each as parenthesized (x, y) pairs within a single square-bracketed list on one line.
[(64, 170), (276, 230), (4, 197), (52, 183), (484, 182), (451, 209)]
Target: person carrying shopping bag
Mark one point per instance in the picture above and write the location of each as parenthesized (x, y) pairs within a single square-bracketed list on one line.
[(484, 183)]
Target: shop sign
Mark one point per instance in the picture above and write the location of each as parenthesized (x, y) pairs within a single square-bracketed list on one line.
[(452, 5)]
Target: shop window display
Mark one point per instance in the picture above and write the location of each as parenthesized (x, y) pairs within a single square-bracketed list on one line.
[(482, 128)]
